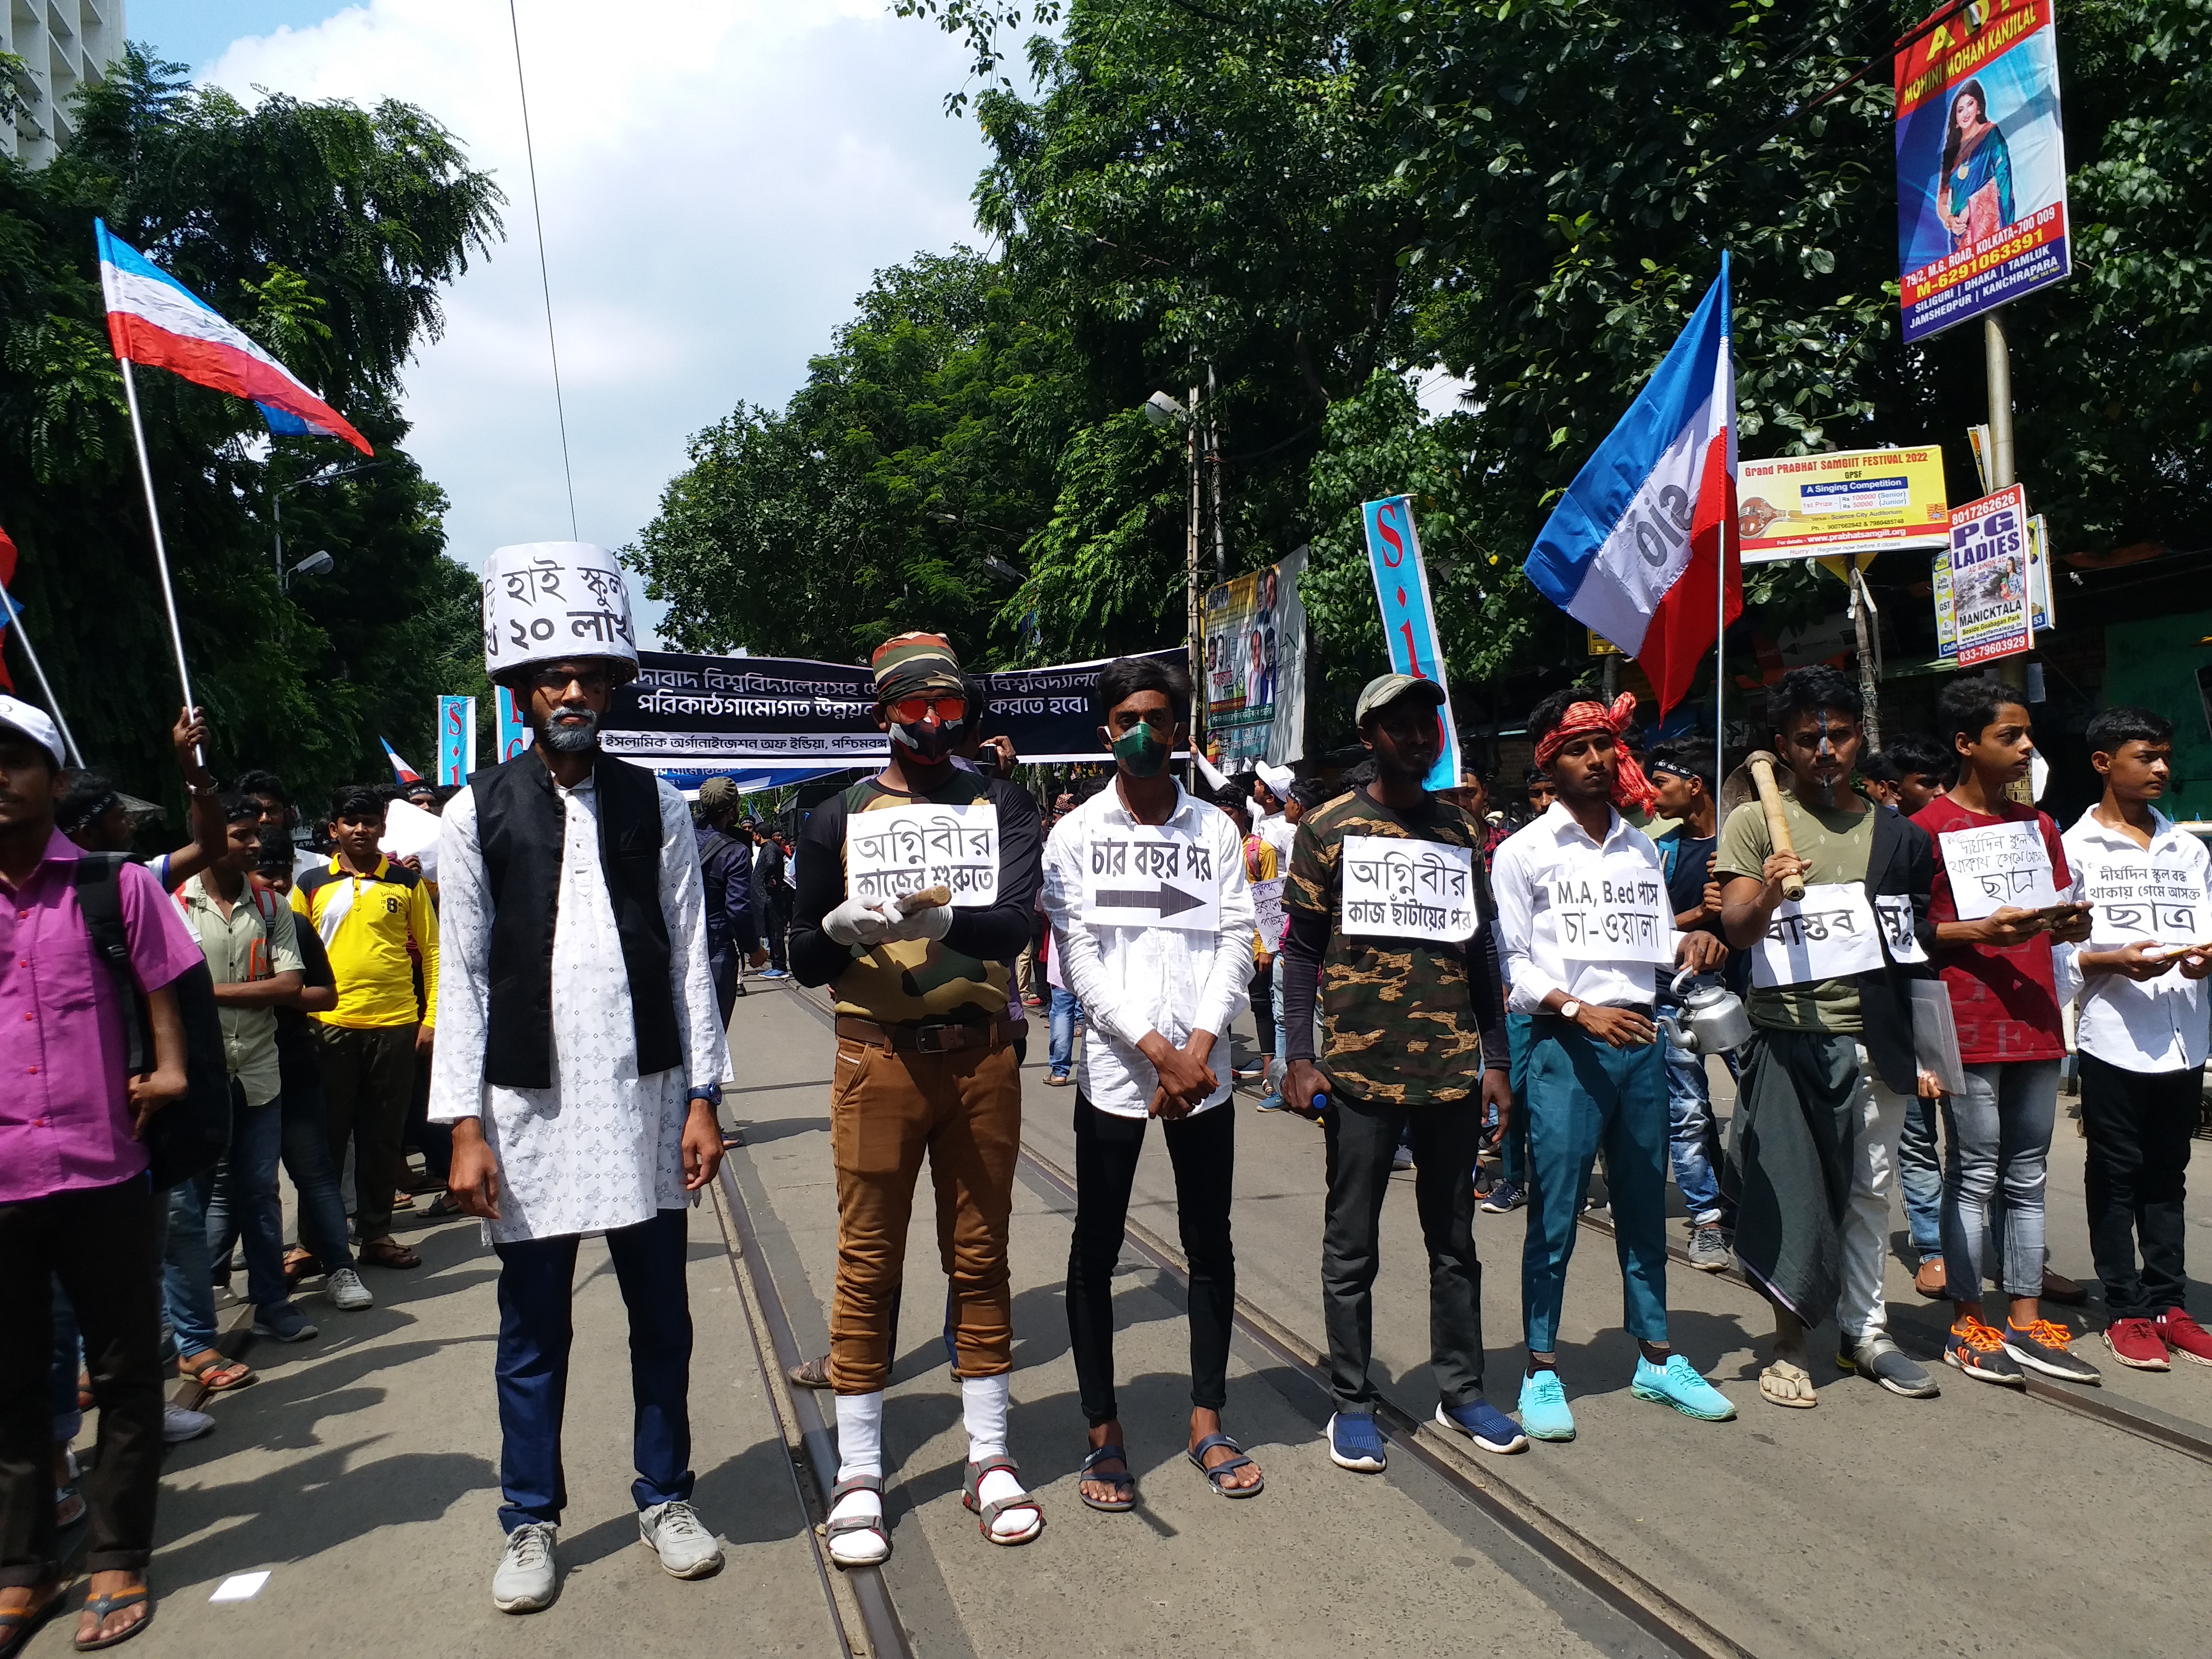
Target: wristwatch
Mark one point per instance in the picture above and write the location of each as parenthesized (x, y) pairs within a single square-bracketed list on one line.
[(1570, 1008), (709, 1092)]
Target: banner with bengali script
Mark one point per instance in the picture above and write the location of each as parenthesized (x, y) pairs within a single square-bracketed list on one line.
[(1255, 654), (687, 714)]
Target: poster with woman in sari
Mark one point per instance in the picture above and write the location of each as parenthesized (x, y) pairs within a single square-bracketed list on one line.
[(1974, 192)]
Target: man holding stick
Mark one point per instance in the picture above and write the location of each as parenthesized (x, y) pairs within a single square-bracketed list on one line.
[(1584, 922), (1831, 1062), (1996, 955), (2141, 1035)]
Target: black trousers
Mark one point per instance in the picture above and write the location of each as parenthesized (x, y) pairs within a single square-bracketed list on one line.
[(100, 1243), (1262, 993), (1203, 1149), (2138, 1125), (1362, 1138)]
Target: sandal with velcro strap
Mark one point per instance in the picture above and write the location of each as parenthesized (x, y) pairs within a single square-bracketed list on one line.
[(833, 1529), (989, 1513)]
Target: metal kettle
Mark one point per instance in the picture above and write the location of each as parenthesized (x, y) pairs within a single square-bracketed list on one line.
[(1713, 1017)]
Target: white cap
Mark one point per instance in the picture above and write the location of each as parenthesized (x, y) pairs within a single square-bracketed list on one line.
[(34, 724), (1279, 779), (555, 602)]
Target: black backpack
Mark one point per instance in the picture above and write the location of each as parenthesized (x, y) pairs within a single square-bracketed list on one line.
[(189, 1135)]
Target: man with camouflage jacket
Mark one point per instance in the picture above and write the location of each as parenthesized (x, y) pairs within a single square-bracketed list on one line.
[(1387, 903)]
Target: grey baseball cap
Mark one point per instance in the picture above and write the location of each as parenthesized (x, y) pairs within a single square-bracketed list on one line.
[(1389, 688)]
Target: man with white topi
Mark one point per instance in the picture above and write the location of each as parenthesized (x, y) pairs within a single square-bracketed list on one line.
[(581, 1051)]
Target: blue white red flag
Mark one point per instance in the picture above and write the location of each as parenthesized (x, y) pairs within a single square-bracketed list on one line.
[(1638, 547), (401, 771), (155, 320)]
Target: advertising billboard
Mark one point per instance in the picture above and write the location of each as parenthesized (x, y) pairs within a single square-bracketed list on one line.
[(1981, 164), (1983, 582), (1255, 646), (1857, 501)]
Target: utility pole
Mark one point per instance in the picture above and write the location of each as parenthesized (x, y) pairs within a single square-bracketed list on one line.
[(1213, 461), (2011, 671)]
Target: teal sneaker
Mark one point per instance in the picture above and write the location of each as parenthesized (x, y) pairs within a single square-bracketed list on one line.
[(1679, 1386), (1544, 1413)]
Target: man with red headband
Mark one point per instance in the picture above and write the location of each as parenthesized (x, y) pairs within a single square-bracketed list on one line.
[(926, 1064), (1583, 925)]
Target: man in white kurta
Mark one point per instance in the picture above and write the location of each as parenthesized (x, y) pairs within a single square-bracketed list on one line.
[(589, 1146)]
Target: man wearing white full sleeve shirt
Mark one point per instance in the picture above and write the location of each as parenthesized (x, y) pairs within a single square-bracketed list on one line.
[(583, 1054), (1151, 923)]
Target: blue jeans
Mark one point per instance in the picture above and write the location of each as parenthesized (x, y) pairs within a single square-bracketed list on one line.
[(308, 1161), (1691, 1139), (69, 1355), (536, 1282), (1065, 1011), (241, 1197), (187, 1295), (1920, 1173), (1994, 1174), (1583, 1093), (1513, 1149)]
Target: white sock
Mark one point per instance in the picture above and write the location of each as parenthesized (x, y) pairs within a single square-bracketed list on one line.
[(860, 1451), (983, 1410)]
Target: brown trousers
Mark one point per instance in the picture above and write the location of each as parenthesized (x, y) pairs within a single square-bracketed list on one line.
[(886, 1110)]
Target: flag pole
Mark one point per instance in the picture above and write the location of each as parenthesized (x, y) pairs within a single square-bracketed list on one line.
[(160, 551), (14, 618), (1720, 661)]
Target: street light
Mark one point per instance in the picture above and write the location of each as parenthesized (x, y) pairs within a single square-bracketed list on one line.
[(1161, 409), (318, 563)]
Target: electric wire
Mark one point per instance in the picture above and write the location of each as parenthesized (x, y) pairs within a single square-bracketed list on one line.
[(544, 279)]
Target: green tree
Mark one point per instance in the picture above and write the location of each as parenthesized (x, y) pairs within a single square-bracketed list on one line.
[(327, 232)]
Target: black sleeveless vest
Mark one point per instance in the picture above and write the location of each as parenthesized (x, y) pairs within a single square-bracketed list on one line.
[(520, 827)]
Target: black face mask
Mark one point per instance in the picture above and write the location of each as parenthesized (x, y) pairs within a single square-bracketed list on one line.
[(929, 743)]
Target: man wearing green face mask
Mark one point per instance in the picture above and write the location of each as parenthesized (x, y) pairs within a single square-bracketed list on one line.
[(1151, 919)]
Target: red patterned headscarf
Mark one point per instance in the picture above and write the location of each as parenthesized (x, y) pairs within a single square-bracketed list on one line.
[(1630, 788)]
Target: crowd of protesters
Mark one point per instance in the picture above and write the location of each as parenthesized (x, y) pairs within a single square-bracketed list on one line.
[(192, 1023)]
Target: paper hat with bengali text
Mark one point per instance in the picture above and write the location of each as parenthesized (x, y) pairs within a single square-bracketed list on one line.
[(555, 602)]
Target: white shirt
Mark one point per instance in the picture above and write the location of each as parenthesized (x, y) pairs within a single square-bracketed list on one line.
[(2159, 1025), (602, 1147), (1279, 833), (1521, 877), (1132, 981)]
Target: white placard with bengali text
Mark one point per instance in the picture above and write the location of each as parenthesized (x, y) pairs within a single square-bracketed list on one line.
[(1894, 912), (1830, 934), (1268, 913), (897, 850), (2136, 898), (1614, 909), (1149, 876), (1398, 888), (1997, 864)]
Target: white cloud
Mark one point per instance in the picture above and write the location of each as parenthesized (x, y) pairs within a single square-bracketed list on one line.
[(719, 178)]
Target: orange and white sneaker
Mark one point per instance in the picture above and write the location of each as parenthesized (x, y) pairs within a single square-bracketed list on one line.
[(1978, 1351), (2045, 1345), (2186, 1336)]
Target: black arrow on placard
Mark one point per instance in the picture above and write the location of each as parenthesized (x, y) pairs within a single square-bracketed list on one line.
[(1168, 901)]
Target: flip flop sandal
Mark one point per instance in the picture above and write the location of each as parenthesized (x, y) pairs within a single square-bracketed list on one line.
[(1197, 1456), (1124, 1483), (84, 1400), (219, 1374), (17, 1628), (443, 1206), (99, 1606), (833, 1530), (389, 1253), (990, 1512), (810, 1373), (1785, 1384)]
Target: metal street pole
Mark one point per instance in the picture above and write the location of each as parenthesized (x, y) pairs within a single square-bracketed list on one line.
[(2011, 671), (1191, 593)]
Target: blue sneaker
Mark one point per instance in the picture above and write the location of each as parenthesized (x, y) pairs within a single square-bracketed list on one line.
[(1505, 1197), (775, 973), (1484, 1423), (284, 1323), (1355, 1443), (1544, 1411), (1679, 1385), (1272, 1102)]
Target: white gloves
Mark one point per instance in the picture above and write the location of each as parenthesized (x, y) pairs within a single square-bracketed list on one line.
[(932, 922), (858, 922)]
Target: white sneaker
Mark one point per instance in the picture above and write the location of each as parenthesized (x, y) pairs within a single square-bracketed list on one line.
[(526, 1580), (687, 1549), (346, 1293), (179, 1425)]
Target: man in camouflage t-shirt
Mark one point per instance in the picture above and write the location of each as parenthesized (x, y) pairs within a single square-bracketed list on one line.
[(1389, 907)]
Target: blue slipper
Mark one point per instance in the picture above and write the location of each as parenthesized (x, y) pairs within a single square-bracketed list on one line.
[(1197, 1456)]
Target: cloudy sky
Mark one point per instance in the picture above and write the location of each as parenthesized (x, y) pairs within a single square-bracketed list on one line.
[(720, 178)]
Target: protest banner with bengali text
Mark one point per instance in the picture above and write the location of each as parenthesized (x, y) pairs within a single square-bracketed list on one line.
[(1981, 164), (1859, 501), (1255, 652)]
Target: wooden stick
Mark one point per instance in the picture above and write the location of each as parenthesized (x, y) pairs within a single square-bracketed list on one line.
[(1761, 765), (929, 898)]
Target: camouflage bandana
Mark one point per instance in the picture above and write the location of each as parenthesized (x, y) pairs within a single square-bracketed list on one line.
[(911, 665)]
